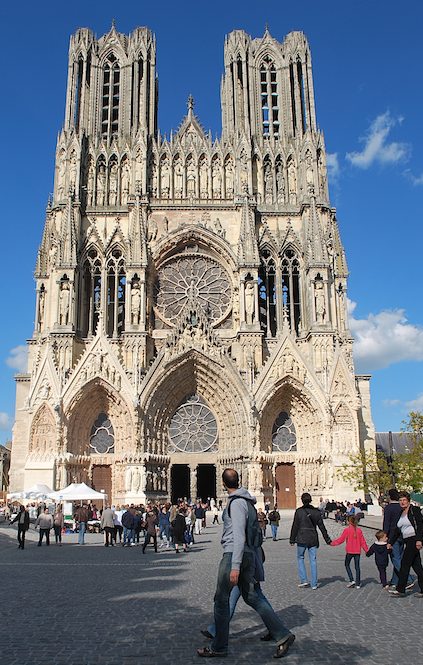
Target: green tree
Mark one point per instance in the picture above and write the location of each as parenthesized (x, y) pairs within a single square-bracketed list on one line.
[(368, 471), (408, 465)]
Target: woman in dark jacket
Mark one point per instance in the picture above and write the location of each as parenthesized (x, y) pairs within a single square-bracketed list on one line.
[(410, 527), (179, 527), (22, 518), (304, 535)]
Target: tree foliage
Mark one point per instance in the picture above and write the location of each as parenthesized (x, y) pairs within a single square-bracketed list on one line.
[(368, 471), (408, 465), (373, 472)]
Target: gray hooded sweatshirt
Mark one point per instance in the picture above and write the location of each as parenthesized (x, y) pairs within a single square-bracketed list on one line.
[(233, 538)]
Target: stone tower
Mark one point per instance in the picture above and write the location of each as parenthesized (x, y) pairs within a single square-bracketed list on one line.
[(190, 292)]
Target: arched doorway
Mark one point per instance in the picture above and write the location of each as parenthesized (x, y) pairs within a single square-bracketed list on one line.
[(285, 486), (206, 481), (179, 482)]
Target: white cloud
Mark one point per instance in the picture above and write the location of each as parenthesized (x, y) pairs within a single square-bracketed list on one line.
[(384, 339), (376, 146), (415, 404), (332, 164), (5, 423), (391, 402), (18, 358), (417, 180)]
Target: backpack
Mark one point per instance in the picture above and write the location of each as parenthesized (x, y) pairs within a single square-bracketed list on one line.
[(253, 533)]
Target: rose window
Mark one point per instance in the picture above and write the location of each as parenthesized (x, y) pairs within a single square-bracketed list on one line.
[(102, 439), (284, 437), (199, 277), (193, 428)]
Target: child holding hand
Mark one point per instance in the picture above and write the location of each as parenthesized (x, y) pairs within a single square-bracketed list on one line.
[(380, 551), (354, 543)]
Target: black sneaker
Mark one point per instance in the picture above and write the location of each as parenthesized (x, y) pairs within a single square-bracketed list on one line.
[(282, 649)]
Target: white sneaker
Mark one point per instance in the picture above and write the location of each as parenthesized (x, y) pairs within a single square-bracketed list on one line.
[(350, 584), (358, 586), (409, 586), (303, 585), (315, 587)]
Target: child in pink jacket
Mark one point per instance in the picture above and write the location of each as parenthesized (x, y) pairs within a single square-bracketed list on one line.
[(354, 543)]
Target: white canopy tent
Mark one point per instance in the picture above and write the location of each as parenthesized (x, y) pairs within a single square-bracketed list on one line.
[(37, 491), (77, 492)]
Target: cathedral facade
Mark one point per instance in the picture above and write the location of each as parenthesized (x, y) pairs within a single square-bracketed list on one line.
[(190, 292)]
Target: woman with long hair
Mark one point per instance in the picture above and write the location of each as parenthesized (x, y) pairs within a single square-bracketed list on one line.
[(410, 527)]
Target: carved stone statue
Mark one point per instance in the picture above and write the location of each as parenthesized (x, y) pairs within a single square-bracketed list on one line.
[(204, 180), (64, 299), (229, 175), (125, 183), (216, 180), (178, 179), (292, 183), (249, 302), (101, 185), (113, 184), (280, 182), (41, 307), (309, 173), (268, 183), (165, 180), (320, 302), (135, 303), (191, 179), (90, 183)]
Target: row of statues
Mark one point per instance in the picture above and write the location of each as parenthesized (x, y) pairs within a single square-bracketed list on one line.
[(110, 183)]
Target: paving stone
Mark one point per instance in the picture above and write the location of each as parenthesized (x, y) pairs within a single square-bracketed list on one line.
[(93, 605)]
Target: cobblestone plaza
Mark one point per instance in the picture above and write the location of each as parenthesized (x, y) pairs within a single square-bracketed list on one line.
[(91, 605)]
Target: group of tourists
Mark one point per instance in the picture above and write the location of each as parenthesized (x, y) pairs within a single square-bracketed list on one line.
[(241, 569), (162, 524), (400, 540)]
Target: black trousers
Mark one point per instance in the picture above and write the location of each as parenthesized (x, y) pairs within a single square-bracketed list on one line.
[(109, 533), (21, 536), (46, 533), (410, 559), (147, 540)]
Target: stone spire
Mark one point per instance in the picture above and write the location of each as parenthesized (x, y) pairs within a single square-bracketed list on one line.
[(248, 255)]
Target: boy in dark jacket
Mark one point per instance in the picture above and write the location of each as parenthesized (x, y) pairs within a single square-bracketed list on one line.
[(304, 535), (380, 551)]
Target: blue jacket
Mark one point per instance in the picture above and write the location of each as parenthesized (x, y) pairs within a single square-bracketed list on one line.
[(391, 515), (128, 520)]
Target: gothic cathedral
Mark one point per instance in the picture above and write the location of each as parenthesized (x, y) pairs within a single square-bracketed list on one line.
[(190, 291)]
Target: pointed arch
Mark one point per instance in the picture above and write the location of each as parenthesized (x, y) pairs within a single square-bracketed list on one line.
[(94, 398), (189, 375), (43, 437), (110, 96)]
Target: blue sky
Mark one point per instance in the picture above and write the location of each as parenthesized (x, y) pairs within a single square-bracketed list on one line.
[(367, 57)]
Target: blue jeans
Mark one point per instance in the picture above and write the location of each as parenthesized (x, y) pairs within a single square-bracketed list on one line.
[(249, 589), (233, 599), (274, 531), (128, 535), (312, 555), (81, 533), (396, 555), (348, 558)]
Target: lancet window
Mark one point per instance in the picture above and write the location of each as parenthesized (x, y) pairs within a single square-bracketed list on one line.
[(267, 295), (301, 90), (116, 281), (291, 289), (78, 90), (91, 293), (110, 97), (269, 98)]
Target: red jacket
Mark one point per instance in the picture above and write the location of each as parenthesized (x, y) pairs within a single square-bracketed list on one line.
[(354, 540)]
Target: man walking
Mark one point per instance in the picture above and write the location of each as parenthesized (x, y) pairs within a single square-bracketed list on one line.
[(81, 517), (22, 518), (45, 522), (108, 526), (199, 517), (237, 567)]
